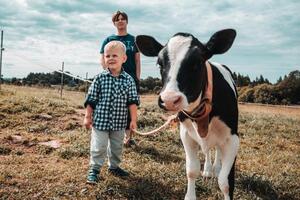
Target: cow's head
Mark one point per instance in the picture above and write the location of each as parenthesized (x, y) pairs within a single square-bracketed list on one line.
[(182, 65)]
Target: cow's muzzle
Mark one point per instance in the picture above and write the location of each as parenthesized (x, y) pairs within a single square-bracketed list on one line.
[(171, 101)]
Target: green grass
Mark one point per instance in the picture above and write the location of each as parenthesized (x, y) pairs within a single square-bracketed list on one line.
[(267, 166)]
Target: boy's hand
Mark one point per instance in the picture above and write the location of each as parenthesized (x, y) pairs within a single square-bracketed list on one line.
[(133, 125), (87, 122)]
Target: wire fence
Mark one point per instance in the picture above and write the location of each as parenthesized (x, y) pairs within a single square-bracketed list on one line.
[(50, 68), (62, 72)]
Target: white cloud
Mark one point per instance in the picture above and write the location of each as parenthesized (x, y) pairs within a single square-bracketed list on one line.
[(49, 32)]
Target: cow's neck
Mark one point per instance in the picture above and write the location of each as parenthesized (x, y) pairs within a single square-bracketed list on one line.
[(200, 113), (206, 77)]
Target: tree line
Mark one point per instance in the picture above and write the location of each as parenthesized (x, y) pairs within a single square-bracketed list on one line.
[(285, 91)]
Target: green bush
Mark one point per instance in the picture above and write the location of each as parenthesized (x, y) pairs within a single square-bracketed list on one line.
[(284, 92), (246, 95)]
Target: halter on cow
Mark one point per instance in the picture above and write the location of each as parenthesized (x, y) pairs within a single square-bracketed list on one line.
[(208, 117)]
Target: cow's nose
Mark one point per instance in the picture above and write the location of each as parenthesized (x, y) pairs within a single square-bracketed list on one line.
[(170, 101)]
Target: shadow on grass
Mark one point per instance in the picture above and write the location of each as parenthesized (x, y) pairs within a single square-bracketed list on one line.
[(158, 156), (140, 188), (262, 188)]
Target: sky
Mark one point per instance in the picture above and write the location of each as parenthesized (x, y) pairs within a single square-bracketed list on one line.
[(39, 35)]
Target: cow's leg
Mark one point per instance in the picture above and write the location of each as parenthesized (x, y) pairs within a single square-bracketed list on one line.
[(207, 171), (217, 162), (192, 162), (226, 177)]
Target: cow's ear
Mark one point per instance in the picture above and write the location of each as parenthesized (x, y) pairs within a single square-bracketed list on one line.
[(148, 45), (220, 42)]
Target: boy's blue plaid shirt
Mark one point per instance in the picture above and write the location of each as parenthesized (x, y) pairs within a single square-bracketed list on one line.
[(110, 97)]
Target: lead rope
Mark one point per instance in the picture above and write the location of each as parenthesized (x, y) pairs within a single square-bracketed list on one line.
[(169, 120)]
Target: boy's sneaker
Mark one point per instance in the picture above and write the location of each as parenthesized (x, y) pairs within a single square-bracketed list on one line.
[(130, 143), (118, 172), (92, 177)]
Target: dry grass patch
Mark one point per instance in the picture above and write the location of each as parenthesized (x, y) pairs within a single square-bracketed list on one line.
[(267, 163), (273, 110)]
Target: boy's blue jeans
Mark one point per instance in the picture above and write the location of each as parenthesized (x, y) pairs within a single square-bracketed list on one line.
[(106, 143)]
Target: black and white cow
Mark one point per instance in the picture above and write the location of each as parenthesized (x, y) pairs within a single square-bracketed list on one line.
[(183, 66)]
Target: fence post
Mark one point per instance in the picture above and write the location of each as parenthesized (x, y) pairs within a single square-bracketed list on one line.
[(86, 84), (1, 49), (62, 79)]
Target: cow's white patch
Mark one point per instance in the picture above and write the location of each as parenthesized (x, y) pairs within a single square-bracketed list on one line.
[(226, 144), (207, 170), (192, 161), (227, 76), (177, 49), (217, 163), (229, 152)]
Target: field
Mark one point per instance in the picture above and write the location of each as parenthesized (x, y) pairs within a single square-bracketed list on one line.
[(267, 167)]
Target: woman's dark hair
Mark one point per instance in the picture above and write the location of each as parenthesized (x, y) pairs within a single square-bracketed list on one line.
[(117, 14)]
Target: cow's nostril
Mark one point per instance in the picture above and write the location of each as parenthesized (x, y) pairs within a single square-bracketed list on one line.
[(177, 100), (170, 101), (160, 102)]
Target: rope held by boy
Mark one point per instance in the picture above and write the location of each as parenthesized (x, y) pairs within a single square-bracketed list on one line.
[(169, 120)]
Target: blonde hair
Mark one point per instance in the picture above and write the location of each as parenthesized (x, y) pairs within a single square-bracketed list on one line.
[(115, 45)]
